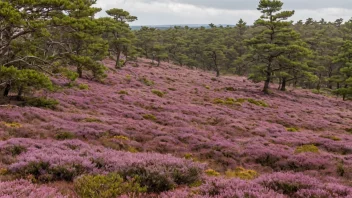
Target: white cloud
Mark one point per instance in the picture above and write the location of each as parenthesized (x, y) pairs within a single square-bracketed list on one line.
[(173, 12)]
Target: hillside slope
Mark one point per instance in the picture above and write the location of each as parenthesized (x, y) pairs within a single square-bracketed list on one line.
[(223, 122)]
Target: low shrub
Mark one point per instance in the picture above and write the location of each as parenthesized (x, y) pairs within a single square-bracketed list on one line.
[(150, 117), (331, 137), (172, 89), (123, 92), (107, 186), (158, 93), (83, 86), (41, 103), (292, 129), (146, 81), (242, 173), (258, 102), (211, 172), (65, 135), (16, 150), (307, 148), (12, 124), (92, 120)]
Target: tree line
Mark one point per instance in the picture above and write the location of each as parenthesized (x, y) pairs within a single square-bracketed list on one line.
[(309, 54), (44, 38)]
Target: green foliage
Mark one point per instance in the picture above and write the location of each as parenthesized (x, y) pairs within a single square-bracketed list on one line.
[(292, 129), (107, 186), (65, 135), (123, 92), (150, 117), (257, 102), (83, 86), (92, 120), (242, 173), (41, 103), (146, 81), (24, 80), (16, 150), (331, 137), (211, 172), (307, 148), (158, 93)]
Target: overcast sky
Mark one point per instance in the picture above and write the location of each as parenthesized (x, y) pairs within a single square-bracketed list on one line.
[(165, 12)]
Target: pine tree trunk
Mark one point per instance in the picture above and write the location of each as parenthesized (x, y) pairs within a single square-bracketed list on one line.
[(117, 64), (80, 71), (20, 92), (283, 84), (7, 89), (267, 83)]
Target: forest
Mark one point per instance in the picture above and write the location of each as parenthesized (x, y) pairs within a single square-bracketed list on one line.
[(90, 108)]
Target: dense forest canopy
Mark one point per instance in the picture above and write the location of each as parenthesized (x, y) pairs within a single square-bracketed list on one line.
[(47, 38)]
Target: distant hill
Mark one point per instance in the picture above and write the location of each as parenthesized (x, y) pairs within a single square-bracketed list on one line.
[(164, 27)]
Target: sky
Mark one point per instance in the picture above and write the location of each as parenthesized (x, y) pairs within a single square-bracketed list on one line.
[(171, 12)]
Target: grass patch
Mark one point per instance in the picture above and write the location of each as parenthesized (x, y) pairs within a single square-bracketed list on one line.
[(211, 172), (150, 117), (123, 92), (331, 137), (65, 135), (158, 93), (121, 137), (83, 87), (292, 129), (92, 120), (307, 149), (146, 81), (12, 124), (242, 173)]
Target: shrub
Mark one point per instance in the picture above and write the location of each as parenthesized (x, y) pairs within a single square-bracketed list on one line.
[(211, 172), (92, 120), (83, 86), (12, 124), (230, 89), (258, 102), (123, 92), (331, 137), (149, 117), (65, 135), (146, 81), (307, 148), (292, 129), (158, 93), (242, 173), (41, 102), (106, 186), (16, 150)]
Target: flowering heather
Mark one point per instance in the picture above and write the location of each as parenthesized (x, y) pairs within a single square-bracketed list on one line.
[(25, 189), (249, 129)]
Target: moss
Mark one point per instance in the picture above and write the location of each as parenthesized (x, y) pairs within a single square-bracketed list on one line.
[(12, 124), (307, 149), (83, 87), (211, 172), (158, 93), (172, 89), (292, 129), (92, 120), (188, 156), (207, 87), (132, 150), (128, 78), (242, 173), (123, 92), (149, 117)]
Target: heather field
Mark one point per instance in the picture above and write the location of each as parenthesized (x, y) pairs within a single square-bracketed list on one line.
[(173, 132)]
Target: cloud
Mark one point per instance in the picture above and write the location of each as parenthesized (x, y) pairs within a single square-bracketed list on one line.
[(161, 12)]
